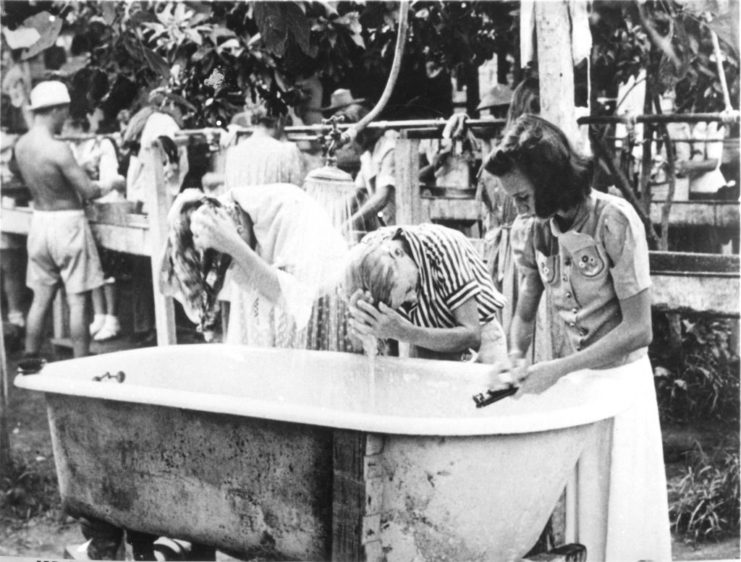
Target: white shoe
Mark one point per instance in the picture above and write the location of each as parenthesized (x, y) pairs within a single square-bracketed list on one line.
[(17, 319), (111, 328), (98, 321)]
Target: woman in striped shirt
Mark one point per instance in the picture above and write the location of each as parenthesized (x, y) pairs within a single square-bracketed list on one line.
[(427, 286)]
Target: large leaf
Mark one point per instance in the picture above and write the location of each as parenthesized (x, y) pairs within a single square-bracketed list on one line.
[(279, 20), (272, 26), (726, 27), (48, 27), (298, 26), (156, 62)]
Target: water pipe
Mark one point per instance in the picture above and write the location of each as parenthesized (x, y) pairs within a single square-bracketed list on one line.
[(732, 116), (350, 134), (438, 123)]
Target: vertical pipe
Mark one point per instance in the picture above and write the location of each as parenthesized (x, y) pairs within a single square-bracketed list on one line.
[(721, 72), (159, 204)]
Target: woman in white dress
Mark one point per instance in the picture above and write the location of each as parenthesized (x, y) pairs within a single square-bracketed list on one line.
[(588, 250)]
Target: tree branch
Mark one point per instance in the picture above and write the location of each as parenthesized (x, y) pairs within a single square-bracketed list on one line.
[(603, 153)]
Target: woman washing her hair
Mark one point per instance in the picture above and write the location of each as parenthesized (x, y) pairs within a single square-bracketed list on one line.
[(425, 285), (284, 254), (588, 250)]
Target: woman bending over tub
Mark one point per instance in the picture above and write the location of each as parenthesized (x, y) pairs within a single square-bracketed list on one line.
[(588, 251), (284, 253), (427, 286)]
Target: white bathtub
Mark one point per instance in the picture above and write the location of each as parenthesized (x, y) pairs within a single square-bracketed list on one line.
[(307, 455)]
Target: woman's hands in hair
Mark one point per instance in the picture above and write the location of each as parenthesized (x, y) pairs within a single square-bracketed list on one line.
[(214, 229)]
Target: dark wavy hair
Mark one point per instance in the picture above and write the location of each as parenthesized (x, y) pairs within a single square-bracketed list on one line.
[(525, 99), (561, 176)]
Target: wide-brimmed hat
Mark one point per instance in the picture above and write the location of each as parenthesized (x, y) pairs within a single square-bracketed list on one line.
[(340, 99), (498, 95), (49, 94)]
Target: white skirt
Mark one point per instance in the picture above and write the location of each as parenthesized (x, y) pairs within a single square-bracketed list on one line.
[(622, 512)]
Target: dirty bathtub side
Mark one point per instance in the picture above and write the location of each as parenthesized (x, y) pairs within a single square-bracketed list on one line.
[(248, 486)]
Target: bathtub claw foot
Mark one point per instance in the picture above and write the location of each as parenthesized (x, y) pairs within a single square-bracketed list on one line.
[(104, 539), (201, 552), (142, 545)]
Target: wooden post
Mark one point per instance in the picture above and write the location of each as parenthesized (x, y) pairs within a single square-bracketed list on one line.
[(408, 200), (556, 69), (555, 65), (6, 461), (159, 205), (553, 28)]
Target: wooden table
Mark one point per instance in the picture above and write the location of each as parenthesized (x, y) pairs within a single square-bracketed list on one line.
[(124, 233), (137, 234)]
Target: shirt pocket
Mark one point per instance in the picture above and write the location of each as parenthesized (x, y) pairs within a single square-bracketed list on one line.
[(589, 263), (547, 267)]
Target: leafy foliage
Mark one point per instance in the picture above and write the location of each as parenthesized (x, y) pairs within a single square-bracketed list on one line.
[(697, 375), (672, 42), (704, 503), (214, 54)]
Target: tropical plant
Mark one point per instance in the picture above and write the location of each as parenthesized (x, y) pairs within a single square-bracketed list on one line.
[(696, 371), (215, 53), (672, 42), (704, 501)]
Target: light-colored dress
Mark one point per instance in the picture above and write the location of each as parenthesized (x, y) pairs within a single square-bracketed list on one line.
[(708, 183), (295, 236), (378, 168), (140, 178), (98, 157), (261, 159), (588, 269)]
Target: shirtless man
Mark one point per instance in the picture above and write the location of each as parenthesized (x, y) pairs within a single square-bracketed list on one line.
[(60, 244)]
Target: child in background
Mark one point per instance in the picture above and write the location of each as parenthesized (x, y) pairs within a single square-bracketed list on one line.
[(98, 156)]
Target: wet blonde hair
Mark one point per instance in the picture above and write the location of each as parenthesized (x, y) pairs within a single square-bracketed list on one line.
[(371, 270)]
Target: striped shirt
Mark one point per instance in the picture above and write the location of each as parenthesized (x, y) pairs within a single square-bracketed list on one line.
[(450, 273)]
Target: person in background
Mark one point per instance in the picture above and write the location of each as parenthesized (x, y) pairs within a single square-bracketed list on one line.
[(60, 244), (98, 156), (257, 160), (588, 251), (427, 286), (351, 110), (262, 157), (160, 119), (703, 166), (375, 181), (503, 215), (16, 118)]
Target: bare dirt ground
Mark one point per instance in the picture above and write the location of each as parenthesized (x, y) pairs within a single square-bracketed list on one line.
[(33, 525)]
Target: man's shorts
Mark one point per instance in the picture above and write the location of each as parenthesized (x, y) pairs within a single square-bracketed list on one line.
[(61, 247)]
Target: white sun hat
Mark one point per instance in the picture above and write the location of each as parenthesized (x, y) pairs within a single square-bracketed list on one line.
[(49, 94)]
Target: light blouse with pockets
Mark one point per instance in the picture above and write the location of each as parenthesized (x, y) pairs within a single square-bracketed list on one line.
[(600, 260), (377, 168)]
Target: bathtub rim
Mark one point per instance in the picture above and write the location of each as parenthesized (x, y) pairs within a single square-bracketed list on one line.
[(530, 422)]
